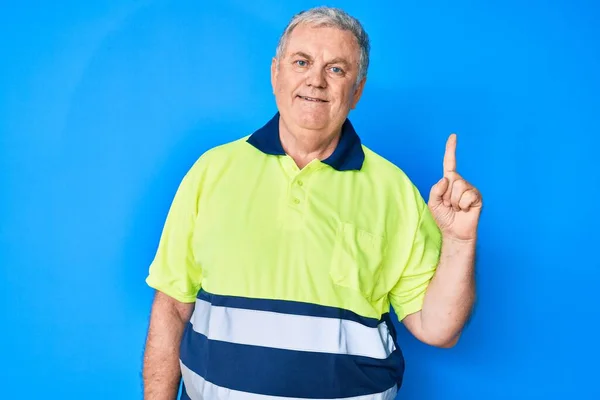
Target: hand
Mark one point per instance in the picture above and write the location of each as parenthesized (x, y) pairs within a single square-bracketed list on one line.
[(455, 203)]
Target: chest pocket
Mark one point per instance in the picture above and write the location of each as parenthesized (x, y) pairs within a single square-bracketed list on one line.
[(357, 260)]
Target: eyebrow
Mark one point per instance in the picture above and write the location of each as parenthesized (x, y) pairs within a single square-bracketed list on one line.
[(301, 54), (337, 60)]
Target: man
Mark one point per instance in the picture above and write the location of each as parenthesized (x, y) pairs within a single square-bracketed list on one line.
[(283, 251)]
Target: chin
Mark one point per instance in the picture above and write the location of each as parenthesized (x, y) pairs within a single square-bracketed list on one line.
[(312, 121)]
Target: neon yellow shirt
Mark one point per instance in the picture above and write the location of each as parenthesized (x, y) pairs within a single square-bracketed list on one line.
[(268, 251)]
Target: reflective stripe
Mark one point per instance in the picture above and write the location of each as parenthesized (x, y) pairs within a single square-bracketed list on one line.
[(197, 388), (291, 332), (288, 373), (288, 349), (287, 307)]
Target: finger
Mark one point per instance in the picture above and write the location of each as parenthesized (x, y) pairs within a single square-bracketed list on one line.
[(469, 199), (450, 155), (446, 197), (459, 187), (437, 191)]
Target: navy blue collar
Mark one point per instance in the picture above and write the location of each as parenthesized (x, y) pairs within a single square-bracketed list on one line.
[(348, 155)]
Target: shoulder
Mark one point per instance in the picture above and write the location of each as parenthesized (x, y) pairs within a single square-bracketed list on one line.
[(388, 175), (379, 164), (224, 151), (219, 155), (207, 167), (404, 205), (392, 188)]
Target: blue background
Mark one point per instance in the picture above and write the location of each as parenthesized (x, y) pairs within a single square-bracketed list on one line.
[(105, 105)]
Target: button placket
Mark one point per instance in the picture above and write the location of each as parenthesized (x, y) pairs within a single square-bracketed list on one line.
[(297, 195), (298, 189)]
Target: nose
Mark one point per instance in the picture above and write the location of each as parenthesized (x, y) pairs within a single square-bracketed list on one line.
[(316, 78)]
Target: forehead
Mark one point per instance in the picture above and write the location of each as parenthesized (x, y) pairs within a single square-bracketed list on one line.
[(323, 41)]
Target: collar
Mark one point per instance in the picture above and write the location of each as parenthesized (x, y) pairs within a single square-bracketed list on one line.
[(348, 155)]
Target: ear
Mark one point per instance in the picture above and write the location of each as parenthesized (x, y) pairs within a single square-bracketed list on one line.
[(273, 73), (358, 92)]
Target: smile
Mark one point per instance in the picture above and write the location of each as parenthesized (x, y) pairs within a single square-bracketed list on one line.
[(313, 99)]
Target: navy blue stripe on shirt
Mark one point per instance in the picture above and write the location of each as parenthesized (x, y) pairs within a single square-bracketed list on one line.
[(288, 373), (184, 395), (288, 307)]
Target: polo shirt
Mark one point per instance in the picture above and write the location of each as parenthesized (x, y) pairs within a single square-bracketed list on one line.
[(293, 271)]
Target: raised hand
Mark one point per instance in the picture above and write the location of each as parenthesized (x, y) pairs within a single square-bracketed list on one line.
[(455, 203)]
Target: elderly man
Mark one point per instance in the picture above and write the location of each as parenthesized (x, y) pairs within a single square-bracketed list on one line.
[(284, 250)]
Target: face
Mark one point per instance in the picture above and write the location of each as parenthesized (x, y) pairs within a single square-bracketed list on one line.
[(315, 84)]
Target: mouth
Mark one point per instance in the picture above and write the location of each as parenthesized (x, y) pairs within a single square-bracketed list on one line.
[(313, 99)]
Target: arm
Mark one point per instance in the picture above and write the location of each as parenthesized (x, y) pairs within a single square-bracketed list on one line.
[(455, 205), (176, 277), (449, 297), (161, 372)]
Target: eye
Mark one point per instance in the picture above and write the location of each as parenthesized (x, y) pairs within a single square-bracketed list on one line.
[(337, 70), (301, 63)]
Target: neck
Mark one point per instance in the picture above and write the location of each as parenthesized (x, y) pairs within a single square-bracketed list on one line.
[(304, 145)]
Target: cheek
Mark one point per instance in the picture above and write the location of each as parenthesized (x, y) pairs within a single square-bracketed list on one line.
[(349, 95), (343, 97), (283, 86), (280, 90)]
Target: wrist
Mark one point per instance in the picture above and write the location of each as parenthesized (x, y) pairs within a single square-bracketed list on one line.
[(451, 240)]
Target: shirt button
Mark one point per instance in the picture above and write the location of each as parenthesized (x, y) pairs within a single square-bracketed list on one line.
[(296, 201), (300, 183)]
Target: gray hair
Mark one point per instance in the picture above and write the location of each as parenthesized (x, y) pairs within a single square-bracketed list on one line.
[(334, 18)]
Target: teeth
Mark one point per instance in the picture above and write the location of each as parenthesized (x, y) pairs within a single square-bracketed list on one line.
[(311, 99)]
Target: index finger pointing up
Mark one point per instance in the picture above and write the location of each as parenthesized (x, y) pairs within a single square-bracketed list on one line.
[(450, 155)]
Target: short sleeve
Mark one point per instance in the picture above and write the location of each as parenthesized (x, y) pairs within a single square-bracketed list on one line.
[(422, 258), (174, 270)]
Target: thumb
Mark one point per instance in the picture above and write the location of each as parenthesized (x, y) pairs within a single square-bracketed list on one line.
[(437, 191)]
